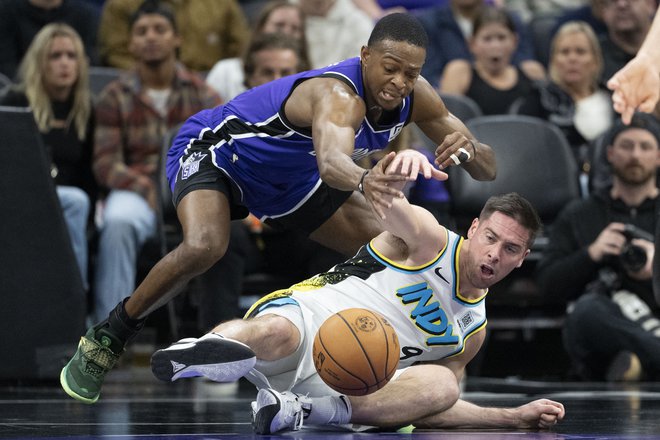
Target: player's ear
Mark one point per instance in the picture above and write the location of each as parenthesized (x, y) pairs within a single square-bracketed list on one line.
[(523, 258), (473, 228), (364, 54)]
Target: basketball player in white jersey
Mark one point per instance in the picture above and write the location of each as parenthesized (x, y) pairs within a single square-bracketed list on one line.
[(427, 281)]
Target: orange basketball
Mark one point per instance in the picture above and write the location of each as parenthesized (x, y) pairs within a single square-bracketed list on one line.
[(356, 351)]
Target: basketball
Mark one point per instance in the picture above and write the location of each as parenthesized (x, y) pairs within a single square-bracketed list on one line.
[(356, 351)]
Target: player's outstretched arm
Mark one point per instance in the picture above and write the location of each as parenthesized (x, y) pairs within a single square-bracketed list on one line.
[(636, 86), (539, 414), (456, 145)]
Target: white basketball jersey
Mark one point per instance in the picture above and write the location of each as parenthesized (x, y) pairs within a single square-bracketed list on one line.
[(424, 304)]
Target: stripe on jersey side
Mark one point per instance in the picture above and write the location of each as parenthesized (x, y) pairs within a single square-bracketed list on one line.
[(467, 336)]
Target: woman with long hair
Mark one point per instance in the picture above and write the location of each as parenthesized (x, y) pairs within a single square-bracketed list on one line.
[(53, 81), (573, 98)]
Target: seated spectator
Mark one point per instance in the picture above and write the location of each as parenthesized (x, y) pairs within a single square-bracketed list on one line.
[(210, 30), (20, 20), (627, 24), (591, 13), (449, 29), (335, 30), (133, 114), (528, 9), (278, 16), (491, 80), (574, 99), (53, 82), (612, 331)]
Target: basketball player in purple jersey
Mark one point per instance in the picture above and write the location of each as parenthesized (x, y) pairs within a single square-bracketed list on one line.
[(285, 151)]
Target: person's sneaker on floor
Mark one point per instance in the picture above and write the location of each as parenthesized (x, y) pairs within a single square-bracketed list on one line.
[(82, 377), (625, 367), (212, 356), (274, 411)]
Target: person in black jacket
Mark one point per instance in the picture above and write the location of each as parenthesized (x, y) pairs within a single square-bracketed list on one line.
[(600, 254)]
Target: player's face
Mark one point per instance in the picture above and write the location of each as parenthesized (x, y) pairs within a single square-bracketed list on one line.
[(153, 39), (62, 64), (498, 245), (390, 71), (634, 156), (272, 64)]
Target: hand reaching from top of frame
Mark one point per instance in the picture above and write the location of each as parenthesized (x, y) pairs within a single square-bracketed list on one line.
[(636, 87)]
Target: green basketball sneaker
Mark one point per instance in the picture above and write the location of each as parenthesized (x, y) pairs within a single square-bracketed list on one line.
[(83, 376)]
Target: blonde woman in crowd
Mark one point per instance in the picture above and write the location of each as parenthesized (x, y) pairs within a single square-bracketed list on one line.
[(53, 81), (574, 99)]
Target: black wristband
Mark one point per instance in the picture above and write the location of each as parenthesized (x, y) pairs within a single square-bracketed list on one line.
[(361, 184)]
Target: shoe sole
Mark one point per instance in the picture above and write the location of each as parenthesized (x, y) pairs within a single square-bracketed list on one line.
[(220, 360), (263, 418), (67, 389)]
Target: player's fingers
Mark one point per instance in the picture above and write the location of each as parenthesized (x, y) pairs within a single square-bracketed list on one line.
[(627, 114), (648, 105), (613, 83)]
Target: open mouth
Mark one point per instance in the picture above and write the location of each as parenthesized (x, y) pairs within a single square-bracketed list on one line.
[(486, 270)]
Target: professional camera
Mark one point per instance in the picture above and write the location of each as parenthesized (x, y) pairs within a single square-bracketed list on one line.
[(633, 257)]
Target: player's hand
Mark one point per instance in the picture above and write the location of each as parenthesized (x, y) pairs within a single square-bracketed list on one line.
[(636, 87), (412, 163), (610, 241), (542, 413), (455, 149), (381, 187)]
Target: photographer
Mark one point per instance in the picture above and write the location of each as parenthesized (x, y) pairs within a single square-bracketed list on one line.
[(600, 256)]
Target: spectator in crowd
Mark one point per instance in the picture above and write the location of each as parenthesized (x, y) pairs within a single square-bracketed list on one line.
[(20, 20), (210, 30), (449, 29), (527, 10), (279, 16), (612, 329), (133, 115), (490, 80), (335, 30), (591, 13), (627, 22), (53, 82), (574, 99)]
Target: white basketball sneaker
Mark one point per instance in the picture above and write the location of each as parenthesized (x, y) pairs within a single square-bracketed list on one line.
[(274, 411), (212, 356)]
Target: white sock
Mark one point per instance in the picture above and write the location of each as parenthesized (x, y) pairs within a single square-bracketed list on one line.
[(329, 410)]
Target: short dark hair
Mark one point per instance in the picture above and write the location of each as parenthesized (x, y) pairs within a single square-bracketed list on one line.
[(644, 121), (154, 7), (518, 208), (268, 42), (399, 27)]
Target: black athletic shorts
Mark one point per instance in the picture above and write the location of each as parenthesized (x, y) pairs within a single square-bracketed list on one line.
[(306, 219)]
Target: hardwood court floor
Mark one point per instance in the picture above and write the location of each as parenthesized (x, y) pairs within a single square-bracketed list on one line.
[(134, 405)]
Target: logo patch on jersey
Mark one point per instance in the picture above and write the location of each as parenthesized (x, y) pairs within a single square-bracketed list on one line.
[(438, 273), (428, 314), (394, 131), (191, 165), (466, 320)]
